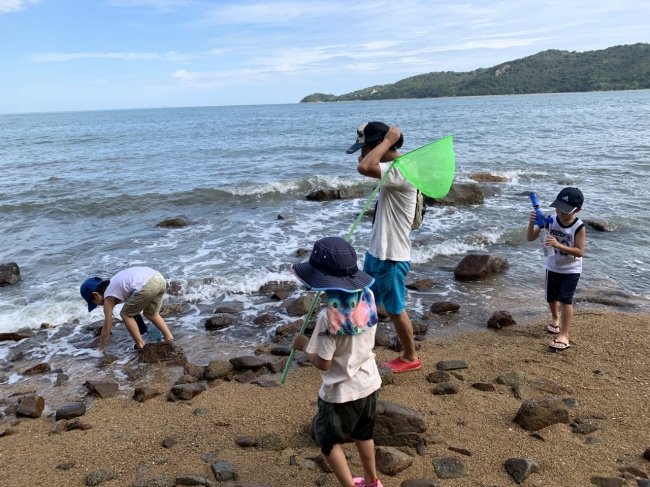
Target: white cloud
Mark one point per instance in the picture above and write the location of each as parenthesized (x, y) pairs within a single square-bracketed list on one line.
[(14, 5), (274, 12)]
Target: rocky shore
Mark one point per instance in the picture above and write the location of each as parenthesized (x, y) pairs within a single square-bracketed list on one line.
[(491, 408)]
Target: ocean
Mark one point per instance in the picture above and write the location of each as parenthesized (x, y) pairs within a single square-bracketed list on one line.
[(81, 194)]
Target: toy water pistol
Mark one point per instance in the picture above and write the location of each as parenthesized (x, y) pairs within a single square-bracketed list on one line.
[(541, 222)]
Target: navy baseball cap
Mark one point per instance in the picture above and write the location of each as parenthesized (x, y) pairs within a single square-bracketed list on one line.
[(568, 200), (87, 289), (368, 132)]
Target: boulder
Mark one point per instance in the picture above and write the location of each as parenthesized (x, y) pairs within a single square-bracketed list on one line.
[(155, 352), (15, 337), (70, 410), (225, 310), (197, 371), (185, 392), (218, 369), (176, 222), (478, 266), (599, 225), (535, 414), (391, 461), (442, 307), (397, 425), (461, 194), (449, 468), (101, 389), (186, 379), (521, 468), (142, 394), (245, 442), (9, 274), (301, 305), (451, 365), (277, 365), (265, 319), (220, 321), (31, 406), (289, 328), (486, 177), (511, 378), (38, 369), (248, 362), (245, 377), (334, 194), (439, 376), (422, 284), (501, 319), (419, 328), (171, 309), (275, 286)]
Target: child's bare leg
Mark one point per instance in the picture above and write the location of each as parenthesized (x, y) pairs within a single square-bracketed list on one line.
[(132, 328), (565, 324), (554, 312), (159, 323), (366, 451), (338, 463)]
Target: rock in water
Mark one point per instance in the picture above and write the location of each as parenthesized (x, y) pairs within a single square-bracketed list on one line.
[(501, 319), (9, 274), (478, 266)]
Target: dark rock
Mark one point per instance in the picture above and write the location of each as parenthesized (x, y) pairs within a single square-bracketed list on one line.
[(521, 468), (501, 319), (196, 371), (289, 328), (265, 319), (97, 477), (218, 369), (646, 454), (15, 356), (270, 442), (636, 471), (537, 436), (422, 284), (511, 378), (446, 388), (486, 177), (78, 425), (283, 350), (478, 266), (174, 288), (60, 426), (169, 442), (194, 480), (599, 225), (38, 369), (461, 194), (218, 322), (391, 461), (245, 442), (419, 328), (280, 295), (245, 377), (449, 468), (439, 376), (302, 251), (65, 466), (321, 480), (419, 483), (177, 222), (155, 481), (481, 386), (248, 362), (200, 411), (142, 394), (301, 305), (387, 376), (585, 429), (224, 471), (571, 402), (442, 307), (31, 406), (8, 432), (607, 481), (225, 310), (47, 326), (643, 483), (275, 286), (171, 309), (462, 451), (16, 337), (382, 340), (9, 274), (535, 414), (155, 352), (277, 365), (185, 392), (70, 410), (286, 216), (321, 461), (101, 389), (397, 425), (334, 194), (451, 365), (186, 379), (106, 360)]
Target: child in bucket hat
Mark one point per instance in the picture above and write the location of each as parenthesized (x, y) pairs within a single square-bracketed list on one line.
[(341, 348)]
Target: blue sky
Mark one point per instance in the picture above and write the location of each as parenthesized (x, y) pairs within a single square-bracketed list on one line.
[(87, 55)]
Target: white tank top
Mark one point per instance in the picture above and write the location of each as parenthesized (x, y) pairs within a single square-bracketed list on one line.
[(562, 262)]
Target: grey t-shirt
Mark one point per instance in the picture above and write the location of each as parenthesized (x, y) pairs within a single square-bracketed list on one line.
[(389, 239)]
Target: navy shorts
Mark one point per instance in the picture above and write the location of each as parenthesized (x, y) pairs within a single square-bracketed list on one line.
[(336, 423), (561, 287)]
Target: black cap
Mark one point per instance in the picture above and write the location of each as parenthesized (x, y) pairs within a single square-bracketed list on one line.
[(368, 132), (568, 200)]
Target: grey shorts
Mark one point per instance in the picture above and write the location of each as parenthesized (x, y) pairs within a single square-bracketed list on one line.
[(147, 299), (338, 422)]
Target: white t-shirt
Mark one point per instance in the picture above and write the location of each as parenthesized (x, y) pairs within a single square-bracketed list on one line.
[(562, 262), (389, 239), (353, 373), (128, 281)]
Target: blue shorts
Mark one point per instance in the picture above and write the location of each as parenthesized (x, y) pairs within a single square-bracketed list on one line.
[(560, 287), (389, 287)]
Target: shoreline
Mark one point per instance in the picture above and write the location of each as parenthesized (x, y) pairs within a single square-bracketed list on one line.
[(127, 435)]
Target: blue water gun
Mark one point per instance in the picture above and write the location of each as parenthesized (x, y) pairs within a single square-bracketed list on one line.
[(541, 220)]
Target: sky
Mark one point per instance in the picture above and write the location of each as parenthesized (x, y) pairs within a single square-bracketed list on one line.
[(63, 55)]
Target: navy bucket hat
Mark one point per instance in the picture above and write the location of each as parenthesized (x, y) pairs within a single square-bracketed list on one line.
[(87, 289), (332, 265)]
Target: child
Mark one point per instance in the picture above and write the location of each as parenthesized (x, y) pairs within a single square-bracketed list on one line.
[(140, 289), (341, 348), (567, 235)]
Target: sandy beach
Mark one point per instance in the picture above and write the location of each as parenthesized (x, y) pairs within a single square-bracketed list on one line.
[(607, 371)]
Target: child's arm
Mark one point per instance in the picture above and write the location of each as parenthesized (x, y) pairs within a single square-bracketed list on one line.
[(369, 165), (532, 232), (300, 342), (577, 251), (109, 304)]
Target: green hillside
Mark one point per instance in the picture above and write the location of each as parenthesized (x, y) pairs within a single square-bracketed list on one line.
[(552, 71)]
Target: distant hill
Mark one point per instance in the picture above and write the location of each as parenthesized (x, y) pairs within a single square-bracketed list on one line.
[(552, 71)]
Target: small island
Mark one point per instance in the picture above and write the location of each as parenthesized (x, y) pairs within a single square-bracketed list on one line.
[(615, 68)]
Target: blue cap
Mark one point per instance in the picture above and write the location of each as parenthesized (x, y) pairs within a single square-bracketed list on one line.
[(87, 289)]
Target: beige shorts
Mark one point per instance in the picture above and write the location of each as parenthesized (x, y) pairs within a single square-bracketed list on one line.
[(147, 299)]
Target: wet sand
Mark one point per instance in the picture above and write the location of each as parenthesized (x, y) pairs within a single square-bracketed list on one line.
[(607, 370)]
